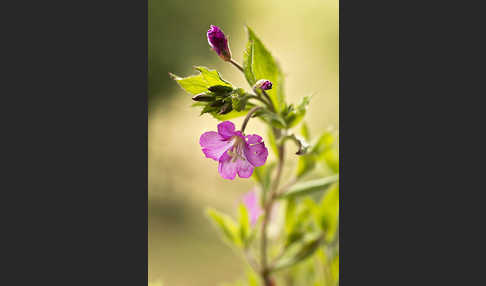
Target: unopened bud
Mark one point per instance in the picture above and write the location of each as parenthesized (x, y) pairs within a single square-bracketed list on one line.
[(217, 40), (226, 108), (203, 97), (264, 84)]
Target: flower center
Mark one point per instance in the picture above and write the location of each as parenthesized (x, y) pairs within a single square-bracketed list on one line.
[(237, 150)]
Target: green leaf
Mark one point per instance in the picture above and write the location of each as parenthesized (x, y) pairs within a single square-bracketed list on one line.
[(202, 82), (263, 175), (232, 114), (304, 131), (258, 64), (305, 188), (300, 251), (325, 141), (273, 142), (253, 279), (305, 164), (244, 224), (298, 220), (329, 213), (271, 118), (239, 102), (294, 116), (331, 158), (226, 225), (326, 151), (248, 63)]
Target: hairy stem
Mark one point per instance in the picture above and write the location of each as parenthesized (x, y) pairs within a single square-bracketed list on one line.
[(268, 209), (248, 116), (237, 65)]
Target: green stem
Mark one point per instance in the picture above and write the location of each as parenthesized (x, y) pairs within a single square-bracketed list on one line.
[(237, 65), (268, 209), (247, 118)]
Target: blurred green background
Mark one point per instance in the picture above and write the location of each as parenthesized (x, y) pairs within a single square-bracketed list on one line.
[(184, 249)]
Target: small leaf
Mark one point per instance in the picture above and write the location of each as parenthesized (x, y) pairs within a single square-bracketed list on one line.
[(304, 131), (226, 225), (294, 116), (309, 187), (202, 82), (258, 63)]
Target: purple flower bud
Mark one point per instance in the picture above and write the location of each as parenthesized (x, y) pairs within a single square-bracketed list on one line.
[(217, 40), (264, 84)]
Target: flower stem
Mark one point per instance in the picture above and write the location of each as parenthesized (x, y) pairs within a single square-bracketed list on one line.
[(260, 99), (237, 65), (268, 98), (268, 209), (247, 118)]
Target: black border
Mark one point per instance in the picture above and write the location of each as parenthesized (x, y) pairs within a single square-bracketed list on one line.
[(74, 193)]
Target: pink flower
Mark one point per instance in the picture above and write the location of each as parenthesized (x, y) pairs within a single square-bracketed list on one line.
[(235, 152), (254, 210)]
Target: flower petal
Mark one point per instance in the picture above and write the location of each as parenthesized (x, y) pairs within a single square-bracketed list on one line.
[(214, 145), (257, 154), (227, 168), (244, 168), (226, 129), (253, 139)]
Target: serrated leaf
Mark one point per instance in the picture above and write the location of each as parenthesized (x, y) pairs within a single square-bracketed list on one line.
[(226, 225), (308, 187), (202, 82), (258, 63)]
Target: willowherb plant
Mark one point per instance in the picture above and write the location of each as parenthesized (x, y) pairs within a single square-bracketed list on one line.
[(305, 249)]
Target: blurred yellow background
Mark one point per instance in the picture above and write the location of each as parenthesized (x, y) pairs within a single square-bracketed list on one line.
[(184, 249)]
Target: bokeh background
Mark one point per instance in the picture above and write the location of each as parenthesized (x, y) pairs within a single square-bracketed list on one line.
[(183, 248)]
